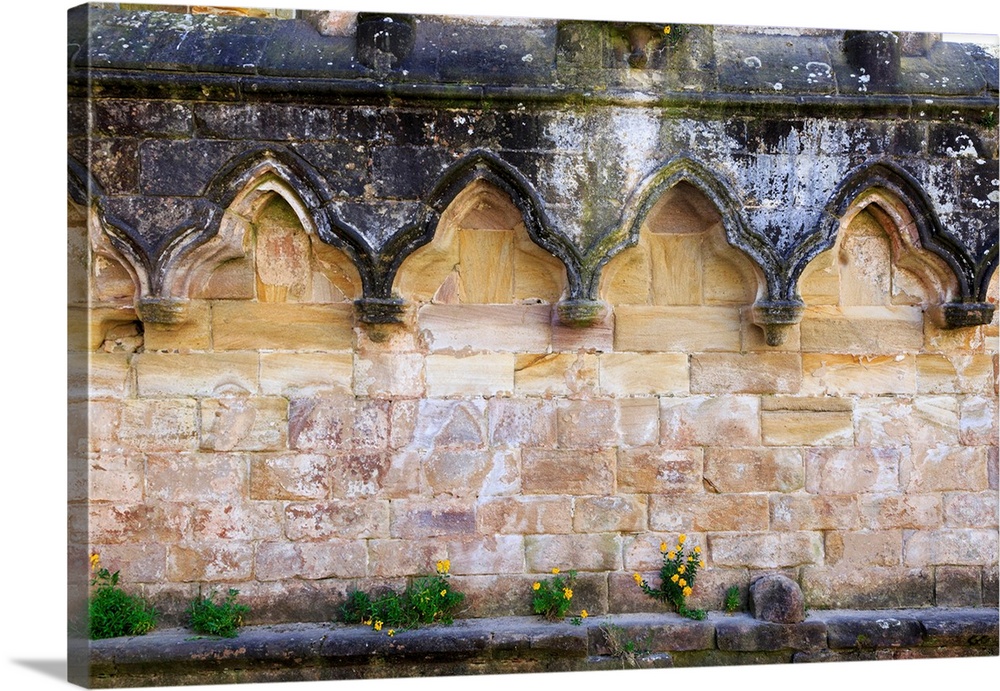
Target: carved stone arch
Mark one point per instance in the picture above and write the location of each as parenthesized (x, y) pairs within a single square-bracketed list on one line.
[(481, 253), (918, 241), (245, 189)]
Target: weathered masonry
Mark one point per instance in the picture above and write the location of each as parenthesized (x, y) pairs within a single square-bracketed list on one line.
[(363, 292)]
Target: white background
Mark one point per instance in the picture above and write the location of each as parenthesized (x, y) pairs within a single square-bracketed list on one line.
[(32, 266)]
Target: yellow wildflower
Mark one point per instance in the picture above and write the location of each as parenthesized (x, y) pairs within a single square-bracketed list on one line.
[(681, 569), (686, 591), (378, 625), (567, 593), (674, 578), (95, 559), (682, 583), (536, 585), (636, 577), (391, 632), (367, 622), (671, 555), (583, 614), (681, 539), (701, 564), (555, 569), (444, 592), (697, 549), (444, 566), (666, 29), (663, 547)]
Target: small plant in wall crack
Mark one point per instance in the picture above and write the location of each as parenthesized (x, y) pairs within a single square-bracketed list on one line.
[(427, 600), (553, 597), (731, 602), (111, 611), (677, 578), (622, 647), (211, 618)]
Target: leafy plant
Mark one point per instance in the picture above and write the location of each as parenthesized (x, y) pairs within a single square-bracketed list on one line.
[(677, 576), (111, 611), (426, 600), (731, 602), (552, 597), (206, 616), (621, 646)]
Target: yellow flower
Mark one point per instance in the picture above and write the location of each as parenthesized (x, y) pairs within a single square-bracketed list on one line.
[(686, 591), (378, 625), (666, 29), (636, 577), (555, 569), (367, 622), (567, 593), (663, 547), (444, 566), (536, 585), (95, 559), (681, 539), (391, 632), (674, 578), (444, 592), (583, 614), (697, 549), (701, 564), (682, 583), (671, 555), (681, 569)]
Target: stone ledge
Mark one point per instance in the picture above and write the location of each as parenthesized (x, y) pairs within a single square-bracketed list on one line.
[(288, 652)]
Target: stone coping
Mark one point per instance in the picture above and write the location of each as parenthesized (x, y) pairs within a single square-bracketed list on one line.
[(284, 652)]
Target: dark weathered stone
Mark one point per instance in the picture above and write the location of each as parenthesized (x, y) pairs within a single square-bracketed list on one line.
[(975, 627), (384, 41), (778, 599), (875, 54), (742, 633), (881, 631)]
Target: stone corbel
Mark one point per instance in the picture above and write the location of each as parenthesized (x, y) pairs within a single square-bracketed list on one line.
[(166, 311), (776, 318), (957, 315), (380, 310), (580, 313)]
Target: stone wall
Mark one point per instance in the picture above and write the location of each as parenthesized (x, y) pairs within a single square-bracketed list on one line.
[(524, 314)]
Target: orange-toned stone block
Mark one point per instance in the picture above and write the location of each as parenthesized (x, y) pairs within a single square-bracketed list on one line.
[(468, 472), (375, 474), (195, 477), (593, 552), (241, 423), (970, 509), (839, 375), (166, 424), (812, 512), (732, 471), (939, 373), (945, 468), (219, 561), (639, 421), (472, 375), (107, 376), (486, 328), (333, 423), (862, 330), (635, 374), (396, 558), (290, 477), (194, 333), (654, 469), (572, 471), (770, 373), (864, 549), (710, 421), (116, 478), (525, 515), (624, 513), (521, 423), (852, 470), (643, 328), (559, 374), (248, 325), (807, 428), (305, 374), (708, 512), (587, 424)]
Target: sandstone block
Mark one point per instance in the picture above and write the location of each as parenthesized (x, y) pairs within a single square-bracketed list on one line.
[(645, 328), (954, 373), (158, 425), (106, 376), (863, 549), (234, 520), (708, 512), (486, 554), (472, 375), (389, 374), (593, 552), (241, 423), (137, 523), (635, 374), (710, 421), (449, 424), (397, 558), (441, 517), (639, 421), (385, 475), (958, 586), (978, 421), (562, 471), (746, 373), (753, 470), (224, 561), (807, 428), (595, 338), (195, 374), (642, 551), (923, 421), (944, 468), (812, 512), (277, 561), (778, 599), (192, 334), (862, 330), (330, 423), (525, 515), (291, 476), (839, 375), (299, 375), (852, 470), (587, 424), (888, 511), (619, 513), (876, 587), (471, 473), (521, 423), (765, 550), (968, 510), (339, 518), (116, 478), (850, 630), (248, 325), (144, 563), (486, 328), (653, 470), (951, 547), (556, 374), (195, 477)]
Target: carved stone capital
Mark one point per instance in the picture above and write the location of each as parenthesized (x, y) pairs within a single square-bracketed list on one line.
[(776, 317), (956, 315), (380, 310), (581, 313), (163, 310)]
